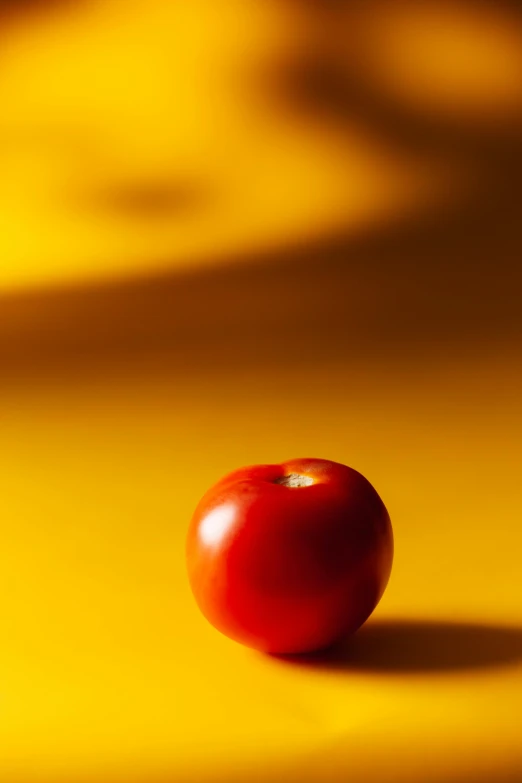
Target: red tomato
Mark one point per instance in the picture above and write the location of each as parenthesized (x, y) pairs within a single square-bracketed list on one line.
[(290, 558)]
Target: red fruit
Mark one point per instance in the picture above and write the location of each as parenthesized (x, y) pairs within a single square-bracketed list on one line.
[(290, 558)]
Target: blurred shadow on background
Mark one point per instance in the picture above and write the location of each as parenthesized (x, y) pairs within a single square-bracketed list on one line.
[(449, 285), (440, 81), (451, 280), (333, 764), (375, 61), (152, 199), (420, 647), (20, 9)]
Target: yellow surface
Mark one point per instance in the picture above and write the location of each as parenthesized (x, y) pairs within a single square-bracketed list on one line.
[(235, 231), (144, 134), (145, 138), (110, 673)]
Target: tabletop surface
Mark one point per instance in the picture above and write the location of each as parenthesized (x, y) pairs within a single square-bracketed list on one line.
[(235, 232), (109, 672)]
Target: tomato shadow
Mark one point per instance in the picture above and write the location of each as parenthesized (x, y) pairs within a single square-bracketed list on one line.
[(419, 647)]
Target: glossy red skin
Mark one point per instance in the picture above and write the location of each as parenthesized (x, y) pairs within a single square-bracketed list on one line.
[(289, 569)]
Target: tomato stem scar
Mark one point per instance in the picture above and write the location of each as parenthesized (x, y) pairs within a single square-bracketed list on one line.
[(294, 480)]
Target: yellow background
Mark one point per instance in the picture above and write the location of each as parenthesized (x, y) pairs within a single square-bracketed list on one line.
[(199, 271)]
